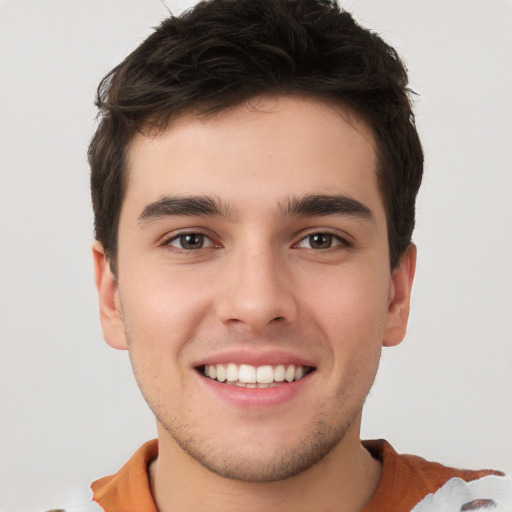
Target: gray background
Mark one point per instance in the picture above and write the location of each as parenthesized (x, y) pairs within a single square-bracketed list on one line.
[(70, 410)]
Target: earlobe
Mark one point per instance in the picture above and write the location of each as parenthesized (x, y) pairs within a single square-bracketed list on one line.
[(110, 312), (400, 296)]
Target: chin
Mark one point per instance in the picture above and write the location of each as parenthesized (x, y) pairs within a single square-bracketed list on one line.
[(255, 458)]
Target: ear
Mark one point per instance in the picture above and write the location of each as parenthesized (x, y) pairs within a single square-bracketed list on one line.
[(399, 298), (108, 294)]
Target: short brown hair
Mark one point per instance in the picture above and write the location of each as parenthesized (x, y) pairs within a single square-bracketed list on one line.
[(222, 53)]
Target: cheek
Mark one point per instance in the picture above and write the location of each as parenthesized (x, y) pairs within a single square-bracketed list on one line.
[(162, 312), (351, 308)]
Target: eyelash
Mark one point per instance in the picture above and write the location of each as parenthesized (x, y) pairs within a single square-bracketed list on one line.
[(167, 242), (334, 238)]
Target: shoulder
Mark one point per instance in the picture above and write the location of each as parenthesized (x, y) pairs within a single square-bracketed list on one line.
[(414, 484), (491, 492)]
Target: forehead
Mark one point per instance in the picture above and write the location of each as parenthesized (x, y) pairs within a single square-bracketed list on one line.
[(257, 153)]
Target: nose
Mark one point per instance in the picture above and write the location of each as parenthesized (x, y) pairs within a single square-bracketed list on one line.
[(257, 291)]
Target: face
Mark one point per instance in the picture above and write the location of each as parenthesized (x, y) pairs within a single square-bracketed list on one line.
[(254, 292)]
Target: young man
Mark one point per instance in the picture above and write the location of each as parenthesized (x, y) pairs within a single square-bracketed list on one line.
[(254, 176)]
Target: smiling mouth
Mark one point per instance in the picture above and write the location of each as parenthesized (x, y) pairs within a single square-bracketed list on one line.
[(248, 376)]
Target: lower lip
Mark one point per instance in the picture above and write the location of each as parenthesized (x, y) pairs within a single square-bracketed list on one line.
[(257, 398)]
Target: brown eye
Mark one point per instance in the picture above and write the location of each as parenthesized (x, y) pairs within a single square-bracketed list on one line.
[(320, 241), (190, 242)]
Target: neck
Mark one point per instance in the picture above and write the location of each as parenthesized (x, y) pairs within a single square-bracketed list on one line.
[(345, 480)]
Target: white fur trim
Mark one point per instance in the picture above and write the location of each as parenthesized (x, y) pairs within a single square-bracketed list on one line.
[(456, 495)]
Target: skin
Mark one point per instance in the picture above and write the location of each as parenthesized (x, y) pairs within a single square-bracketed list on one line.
[(260, 285)]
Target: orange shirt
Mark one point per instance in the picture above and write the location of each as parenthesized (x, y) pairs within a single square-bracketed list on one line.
[(406, 481)]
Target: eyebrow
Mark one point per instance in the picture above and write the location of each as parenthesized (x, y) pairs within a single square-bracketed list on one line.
[(313, 205), (323, 205), (187, 205)]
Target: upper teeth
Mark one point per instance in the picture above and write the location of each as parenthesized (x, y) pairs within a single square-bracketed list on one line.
[(249, 374)]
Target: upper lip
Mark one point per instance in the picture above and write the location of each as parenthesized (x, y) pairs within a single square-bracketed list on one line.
[(254, 358)]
